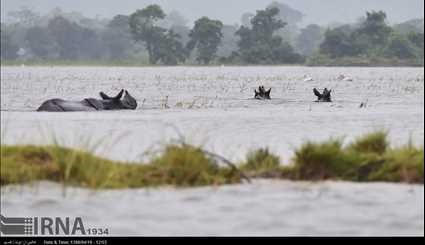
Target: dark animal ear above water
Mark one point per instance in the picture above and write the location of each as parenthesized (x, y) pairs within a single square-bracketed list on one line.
[(104, 96), (268, 92), (317, 93), (107, 97), (327, 92), (119, 95)]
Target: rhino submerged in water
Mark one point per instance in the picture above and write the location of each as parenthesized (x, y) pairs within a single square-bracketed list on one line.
[(325, 96), (90, 104), (262, 93)]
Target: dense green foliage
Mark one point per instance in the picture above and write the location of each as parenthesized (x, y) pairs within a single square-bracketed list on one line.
[(259, 45), (205, 36), (150, 36), (372, 39), (162, 45)]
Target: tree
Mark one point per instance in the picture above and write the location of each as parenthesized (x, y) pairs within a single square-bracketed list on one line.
[(399, 46), (8, 48), (286, 13), (74, 41), (117, 37), (229, 41), (309, 39), (183, 32), (417, 39), (413, 25), (162, 45), (205, 36), (170, 49), (292, 17), (40, 42), (374, 29), (24, 16), (65, 35), (90, 46), (338, 43), (143, 28), (246, 19), (265, 23), (259, 44)]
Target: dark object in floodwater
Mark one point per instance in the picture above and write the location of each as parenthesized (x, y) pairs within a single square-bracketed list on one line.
[(91, 104), (363, 104), (262, 94), (325, 96)]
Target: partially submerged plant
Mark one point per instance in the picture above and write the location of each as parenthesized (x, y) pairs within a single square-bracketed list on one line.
[(366, 159), (375, 142), (405, 164), (328, 160), (186, 165), (178, 166), (261, 160)]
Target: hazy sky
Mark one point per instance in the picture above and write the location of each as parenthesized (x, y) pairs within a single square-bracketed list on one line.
[(229, 11)]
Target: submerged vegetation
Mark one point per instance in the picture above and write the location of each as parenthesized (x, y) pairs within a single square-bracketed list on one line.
[(368, 158)]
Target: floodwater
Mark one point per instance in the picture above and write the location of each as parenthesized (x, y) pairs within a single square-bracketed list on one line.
[(266, 208), (213, 107)]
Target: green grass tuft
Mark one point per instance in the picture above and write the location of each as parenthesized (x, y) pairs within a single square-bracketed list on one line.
[(405, 164), (261, 163), (188, 166), (328, 160), (178, 165), (369, 158), (371, 143)]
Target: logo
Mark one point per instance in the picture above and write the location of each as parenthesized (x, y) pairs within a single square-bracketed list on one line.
[(30, 226)]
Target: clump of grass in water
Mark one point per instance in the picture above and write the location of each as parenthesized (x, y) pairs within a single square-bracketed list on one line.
[(375, 142), (368, 158), (405, 164), (261, 163), (179, 166), (184, 165), (22, 164), (318, 161)]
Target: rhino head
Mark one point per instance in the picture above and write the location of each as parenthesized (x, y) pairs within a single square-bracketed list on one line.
[(262, 93), (325, 96), (119, 102)]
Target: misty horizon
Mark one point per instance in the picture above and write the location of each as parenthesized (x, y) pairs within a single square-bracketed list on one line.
[(334, 11)]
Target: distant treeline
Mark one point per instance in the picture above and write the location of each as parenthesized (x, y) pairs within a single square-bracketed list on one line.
[(149, 36)]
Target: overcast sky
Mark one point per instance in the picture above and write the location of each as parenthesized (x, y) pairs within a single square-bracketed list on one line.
[(229, 11)]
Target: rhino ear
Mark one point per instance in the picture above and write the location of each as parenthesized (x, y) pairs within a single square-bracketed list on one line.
[(119, 95), (104, 96), (317, 93), (327, 92), (268, 92)]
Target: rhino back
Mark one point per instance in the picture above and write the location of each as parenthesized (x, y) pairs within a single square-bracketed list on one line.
[(56, 105)]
